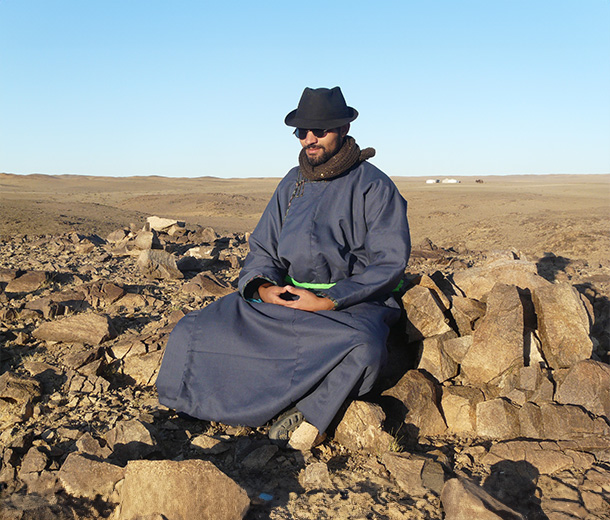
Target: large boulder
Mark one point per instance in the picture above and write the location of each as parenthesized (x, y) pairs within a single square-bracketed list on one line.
[(158, 264), (497, 343), (559, 422), (587, 384), (462, 499), (416, 475), (466, 312), (497, 419), (361, 428), (459, 404), (180, 490), (477, 282), (435, 360), (563, 324), (547, 457), (425, 316), (18, 389), (147, 240), (91, 329), (162, 224), (204, 285), (130, 440), (27, 282), (414, 402), (82, 476), (143, 368)]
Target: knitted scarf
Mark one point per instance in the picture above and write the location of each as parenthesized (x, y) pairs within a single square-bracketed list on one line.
[(343, 160)]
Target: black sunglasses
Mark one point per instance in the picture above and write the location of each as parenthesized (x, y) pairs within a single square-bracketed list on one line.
[(301, 133)]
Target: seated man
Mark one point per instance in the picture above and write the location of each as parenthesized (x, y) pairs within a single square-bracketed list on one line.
[(309, 325)]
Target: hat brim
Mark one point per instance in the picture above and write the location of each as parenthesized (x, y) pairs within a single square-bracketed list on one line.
[(319, 124)]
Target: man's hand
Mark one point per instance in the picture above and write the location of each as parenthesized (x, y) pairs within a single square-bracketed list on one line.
[(300, 299)]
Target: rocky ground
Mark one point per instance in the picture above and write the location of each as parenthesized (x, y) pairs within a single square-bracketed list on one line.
[(495, 405)]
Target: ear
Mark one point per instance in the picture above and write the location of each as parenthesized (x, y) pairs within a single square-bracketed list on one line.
[(344, 130)]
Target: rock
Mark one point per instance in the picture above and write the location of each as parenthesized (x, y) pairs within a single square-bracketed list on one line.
[(466, 312), (161, 224), (462, 499), (6, 275), (497, 419), (103, 293), (44, 483), (180, 489), (456, 348), (304, 437), (91, 329), (563, 325), (559, 422), (415, 475), (159, 264), (459, 404), (128, 347), (425, 316), (587, 384), (204, 285), (316, 476), (534, 384), (425, 281), (147, 240), (87, 444), (416, 404), (77, 358), (477, 282), (117, 236), (130, 440), (143, 368), (257, 458), (38, 368), (32, 507), (46, 306), (434, 359), (202, 253), (207, 235), (210, 445), (28, 282), (18, 389), (497, 343), (84, 477), (546, 457), (35, 461), (361, 428)]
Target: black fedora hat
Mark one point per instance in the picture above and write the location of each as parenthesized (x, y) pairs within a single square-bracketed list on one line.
[(321, 108)]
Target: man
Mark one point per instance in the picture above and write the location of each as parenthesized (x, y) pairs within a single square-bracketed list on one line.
[(316, 295)]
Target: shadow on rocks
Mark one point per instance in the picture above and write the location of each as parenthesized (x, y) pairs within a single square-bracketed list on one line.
[(269, 474), (600, 321), (549, 265), (514, 483)]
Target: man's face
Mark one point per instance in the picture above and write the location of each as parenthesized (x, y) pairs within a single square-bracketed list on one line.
[(320, 149)]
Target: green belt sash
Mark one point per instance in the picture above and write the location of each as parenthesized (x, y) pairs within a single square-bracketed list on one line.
[(318, 286)]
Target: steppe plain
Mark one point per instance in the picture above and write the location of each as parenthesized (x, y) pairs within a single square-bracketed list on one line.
[(567, 215), (47, 223)]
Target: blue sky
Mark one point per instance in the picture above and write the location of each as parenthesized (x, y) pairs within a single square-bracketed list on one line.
[(192, 88)]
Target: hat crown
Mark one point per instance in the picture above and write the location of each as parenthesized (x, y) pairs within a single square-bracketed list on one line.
[(321, 108)]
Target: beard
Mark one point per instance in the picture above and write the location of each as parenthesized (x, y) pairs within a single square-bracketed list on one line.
[(318, 159), (324, 156)]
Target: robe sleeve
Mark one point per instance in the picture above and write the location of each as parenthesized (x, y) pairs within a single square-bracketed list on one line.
[(387, 246), (262, 262)]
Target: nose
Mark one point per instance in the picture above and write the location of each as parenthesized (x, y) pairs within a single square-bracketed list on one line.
[(310, 138)]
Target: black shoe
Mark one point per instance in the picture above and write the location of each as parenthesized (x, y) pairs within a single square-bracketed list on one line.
[(285, 424)]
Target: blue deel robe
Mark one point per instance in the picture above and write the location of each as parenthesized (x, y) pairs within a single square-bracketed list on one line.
[(238, 361)]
